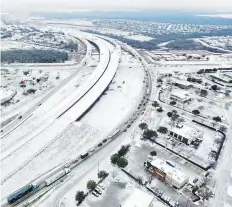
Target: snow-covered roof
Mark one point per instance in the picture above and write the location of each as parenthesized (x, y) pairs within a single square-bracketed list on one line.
[(181, 94), (188, 132), (138, 198), (170, 170), (182, 82)]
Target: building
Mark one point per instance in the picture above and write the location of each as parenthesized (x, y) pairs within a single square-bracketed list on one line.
[(180, 96), (167, 172), (181, 83), (187, 134), (139, 198)]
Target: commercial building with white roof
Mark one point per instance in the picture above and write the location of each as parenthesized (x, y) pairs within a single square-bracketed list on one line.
[(187, 134), (180, 96), (167, 172)]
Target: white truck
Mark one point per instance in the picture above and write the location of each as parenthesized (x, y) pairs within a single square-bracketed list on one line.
[(57, 176)]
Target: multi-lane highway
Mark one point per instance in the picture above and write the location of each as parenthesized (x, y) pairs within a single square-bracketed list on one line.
[(42, 127), (92, 95)]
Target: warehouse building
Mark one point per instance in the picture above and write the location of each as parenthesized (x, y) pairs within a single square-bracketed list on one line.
[(167, 172)]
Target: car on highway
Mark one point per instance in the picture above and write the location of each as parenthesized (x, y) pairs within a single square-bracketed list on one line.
[(76, 160), (92, 150), (104, 140), (67, 165), (99, 145)]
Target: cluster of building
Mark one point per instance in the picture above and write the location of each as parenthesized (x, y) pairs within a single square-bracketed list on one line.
[(158, 28)]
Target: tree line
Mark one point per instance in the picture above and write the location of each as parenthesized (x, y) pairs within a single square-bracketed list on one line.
[(33, 56)]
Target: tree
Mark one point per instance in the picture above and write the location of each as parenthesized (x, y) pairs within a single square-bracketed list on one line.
[(80, 196), (223, 128), (169, 114), (102, 174), (143, 126), (123, 150), (206, 194), (114, 158), (159, 110), (203, 92), (91, 184), (153, 153), (155, 104), (196, 112), (212, 154), (205, 181), (140, 180), (163, 130), (217, 119), (214, 87), (172, 103), (213, 165), (150, 178), (148, 134), (114, 174), (122, 162)]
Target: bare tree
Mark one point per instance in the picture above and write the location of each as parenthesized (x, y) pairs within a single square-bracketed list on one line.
[(205, 181), (206, 194), (150, 178), (140, 180), (114, 174)]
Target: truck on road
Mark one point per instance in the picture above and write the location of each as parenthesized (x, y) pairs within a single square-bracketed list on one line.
[(57, 176), (21, 193)]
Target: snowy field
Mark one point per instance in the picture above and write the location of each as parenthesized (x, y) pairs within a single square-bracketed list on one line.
[(120, 99)]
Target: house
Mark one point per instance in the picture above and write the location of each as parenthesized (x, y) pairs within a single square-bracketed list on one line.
[(167, 172)]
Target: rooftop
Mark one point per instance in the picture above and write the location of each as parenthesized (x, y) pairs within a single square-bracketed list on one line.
[(181, 94), (188, 132), (170, 169)]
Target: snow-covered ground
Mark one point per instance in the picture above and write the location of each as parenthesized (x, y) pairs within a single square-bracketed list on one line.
[(121, 97)]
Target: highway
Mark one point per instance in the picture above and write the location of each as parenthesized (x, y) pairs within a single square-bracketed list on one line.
[(106, 147), (52, 125), (16, 123)]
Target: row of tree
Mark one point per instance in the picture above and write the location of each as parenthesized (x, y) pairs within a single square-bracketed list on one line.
[(33, 56)]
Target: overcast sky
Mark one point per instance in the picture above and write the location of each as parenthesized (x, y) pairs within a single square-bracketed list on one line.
[(29, 6)]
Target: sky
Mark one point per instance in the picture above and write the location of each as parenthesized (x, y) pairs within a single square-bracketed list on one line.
[(25, 7)]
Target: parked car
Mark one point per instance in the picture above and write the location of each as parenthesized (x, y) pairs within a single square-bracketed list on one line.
[(95, 194), (102, 187), (20, 117), (97, 191)]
